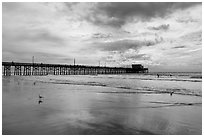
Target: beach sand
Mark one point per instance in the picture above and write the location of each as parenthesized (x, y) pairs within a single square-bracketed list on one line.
[(93, 108)]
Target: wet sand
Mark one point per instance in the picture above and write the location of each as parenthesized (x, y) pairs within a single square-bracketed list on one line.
[(83, 109)]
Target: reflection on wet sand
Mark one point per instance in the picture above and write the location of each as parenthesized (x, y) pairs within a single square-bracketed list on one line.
[(77, 109)]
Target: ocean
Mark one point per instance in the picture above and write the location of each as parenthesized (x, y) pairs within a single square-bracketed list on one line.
[(170, 103)]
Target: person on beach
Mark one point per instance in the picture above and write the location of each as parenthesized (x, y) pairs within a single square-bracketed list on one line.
[(157, 75)]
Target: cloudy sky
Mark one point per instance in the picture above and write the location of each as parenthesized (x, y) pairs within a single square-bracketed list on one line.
[(161, 36)]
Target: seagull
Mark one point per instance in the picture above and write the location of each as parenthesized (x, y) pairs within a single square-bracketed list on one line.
[(171, 93), (40, 96), (40, 101)]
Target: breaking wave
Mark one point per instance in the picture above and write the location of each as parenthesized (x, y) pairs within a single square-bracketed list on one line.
[(128, 90), (191, 79)]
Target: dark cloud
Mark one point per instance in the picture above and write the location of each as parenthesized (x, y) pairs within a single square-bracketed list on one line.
[(118, 13), (184, 5), (179, 47), (161, 27), (110, 21), (71, 5), (139, 57), (123, 45), (101, 35)]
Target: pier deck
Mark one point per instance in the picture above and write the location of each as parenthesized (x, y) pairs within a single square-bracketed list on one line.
[(26, 69)]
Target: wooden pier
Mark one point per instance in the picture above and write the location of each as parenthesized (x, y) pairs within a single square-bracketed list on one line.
[(40, 69)]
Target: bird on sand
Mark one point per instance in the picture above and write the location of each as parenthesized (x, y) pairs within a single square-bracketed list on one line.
[(40, 96), (171, 93), (40, 101)]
